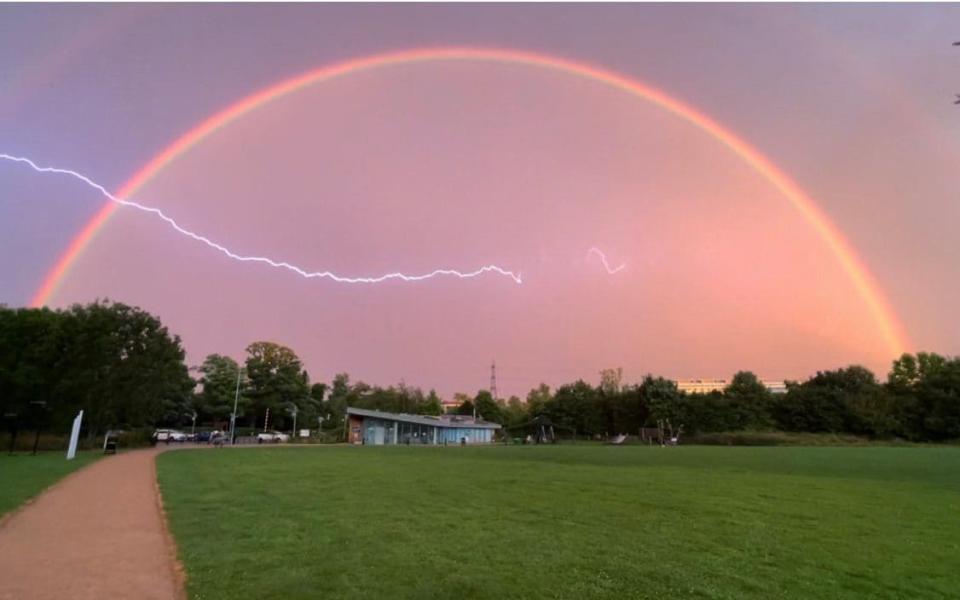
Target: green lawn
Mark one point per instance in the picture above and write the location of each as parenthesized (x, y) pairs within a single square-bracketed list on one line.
[(566, 522), (23, 476)]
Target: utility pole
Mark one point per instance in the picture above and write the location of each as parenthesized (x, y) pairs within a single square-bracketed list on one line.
[(493, 380), (233, 416), (293, 409)]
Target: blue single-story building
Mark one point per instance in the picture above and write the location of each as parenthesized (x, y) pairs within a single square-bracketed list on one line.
[(383, 428)]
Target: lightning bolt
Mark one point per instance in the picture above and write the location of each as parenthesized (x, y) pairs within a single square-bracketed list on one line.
[(603, 259), (259, 259)]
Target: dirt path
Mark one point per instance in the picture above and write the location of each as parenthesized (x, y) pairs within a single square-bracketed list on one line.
[(98, 533)]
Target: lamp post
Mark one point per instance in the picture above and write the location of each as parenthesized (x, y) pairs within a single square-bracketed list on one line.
[(233, 415), (293, 410)]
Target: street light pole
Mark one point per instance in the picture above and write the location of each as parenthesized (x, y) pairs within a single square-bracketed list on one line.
[(293, 410), (233, 416)]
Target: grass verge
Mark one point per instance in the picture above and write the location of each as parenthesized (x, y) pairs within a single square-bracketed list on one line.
[(566, 522), (23, 476)]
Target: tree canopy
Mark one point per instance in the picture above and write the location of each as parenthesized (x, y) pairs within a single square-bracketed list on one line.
[(117, 363)]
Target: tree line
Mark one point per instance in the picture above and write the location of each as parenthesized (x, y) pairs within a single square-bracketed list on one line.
[(126, 370), (919, 401)]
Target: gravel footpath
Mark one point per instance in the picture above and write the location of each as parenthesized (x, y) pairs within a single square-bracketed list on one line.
[(97, 533)]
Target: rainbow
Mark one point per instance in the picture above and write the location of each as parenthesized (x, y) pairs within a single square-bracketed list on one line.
[(890, 328)]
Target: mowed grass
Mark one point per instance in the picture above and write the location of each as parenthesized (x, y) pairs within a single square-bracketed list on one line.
[(23, 476), (566, 522)]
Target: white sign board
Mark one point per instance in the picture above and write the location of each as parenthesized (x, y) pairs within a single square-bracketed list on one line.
[(304, 433), (74, 436)]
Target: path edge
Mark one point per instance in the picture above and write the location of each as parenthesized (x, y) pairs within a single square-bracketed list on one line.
[(176, 567)]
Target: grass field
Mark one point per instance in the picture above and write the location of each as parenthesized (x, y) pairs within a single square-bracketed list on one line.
[(566, 522), (23, 476)]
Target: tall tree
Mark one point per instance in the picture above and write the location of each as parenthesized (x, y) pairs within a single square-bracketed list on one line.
[(537, 399), (574, 407), (464, 404), (610, 381), (824, 403), (219, 377), (123, 363), (749, 401), (926, 392), (277, 378), (487, 407), (515, 413), (432, 405), (664, 400)]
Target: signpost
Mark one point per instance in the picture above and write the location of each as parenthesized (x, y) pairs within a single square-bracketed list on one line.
[(74, 436)]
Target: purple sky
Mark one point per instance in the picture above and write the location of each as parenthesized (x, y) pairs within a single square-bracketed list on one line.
[(447, 164)]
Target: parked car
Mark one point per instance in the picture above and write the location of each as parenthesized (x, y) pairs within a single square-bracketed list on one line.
[(272, 437), (169, 435)]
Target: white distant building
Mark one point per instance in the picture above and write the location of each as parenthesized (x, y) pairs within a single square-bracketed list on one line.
[(775, 386), (701, 386), (705, 386)]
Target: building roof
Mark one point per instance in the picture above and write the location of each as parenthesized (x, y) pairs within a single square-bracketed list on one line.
[(449, 421)]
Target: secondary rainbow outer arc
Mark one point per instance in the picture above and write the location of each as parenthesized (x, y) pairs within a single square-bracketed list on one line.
[(890, 328)]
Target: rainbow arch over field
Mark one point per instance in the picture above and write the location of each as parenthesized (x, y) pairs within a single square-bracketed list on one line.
[(888, 324)]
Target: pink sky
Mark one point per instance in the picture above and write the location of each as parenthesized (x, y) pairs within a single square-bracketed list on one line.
[(460, 165)]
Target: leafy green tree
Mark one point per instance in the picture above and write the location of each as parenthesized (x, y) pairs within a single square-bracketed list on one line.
[(711, 411), (748, 402), (910, 371), (117, 363), (30, 341), (926, 392), (515, 413), (939, 394), (537, 400), (574, 407), (334, 408), (318, 392), (825, 402), (632, 410), (431, 405), (487, 407), (665, 401), (611, 381), (219, 384), (123, 367), (464, 404), (276, 378)]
